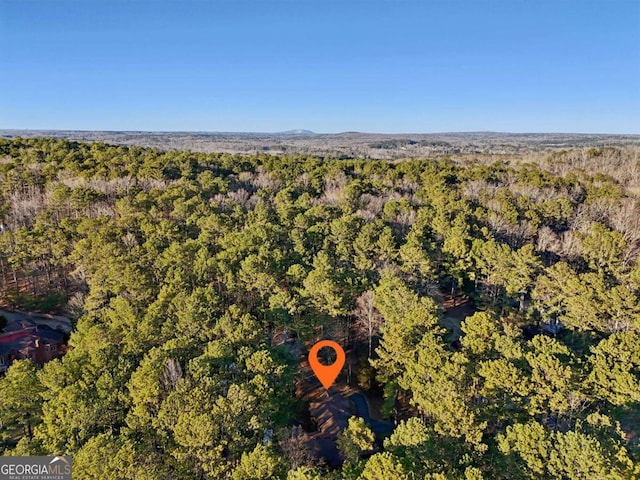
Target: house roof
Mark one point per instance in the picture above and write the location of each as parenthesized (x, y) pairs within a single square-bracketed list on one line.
[(25, 340)]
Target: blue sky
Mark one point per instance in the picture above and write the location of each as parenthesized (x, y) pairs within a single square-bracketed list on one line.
[(326, 65)]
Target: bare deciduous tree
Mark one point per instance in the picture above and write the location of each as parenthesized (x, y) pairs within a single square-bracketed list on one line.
[(368, 319), (295, 449)]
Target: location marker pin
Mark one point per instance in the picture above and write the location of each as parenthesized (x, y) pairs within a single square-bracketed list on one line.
[(327, 374)]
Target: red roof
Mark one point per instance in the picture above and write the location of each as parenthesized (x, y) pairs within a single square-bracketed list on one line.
[(16, 335)]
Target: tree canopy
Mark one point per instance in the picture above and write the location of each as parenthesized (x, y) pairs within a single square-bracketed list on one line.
[(197, 281)]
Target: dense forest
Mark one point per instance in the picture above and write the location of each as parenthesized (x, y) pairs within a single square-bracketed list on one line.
[(189, 276)]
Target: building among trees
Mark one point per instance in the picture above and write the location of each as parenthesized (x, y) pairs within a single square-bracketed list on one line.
[(25, 339)]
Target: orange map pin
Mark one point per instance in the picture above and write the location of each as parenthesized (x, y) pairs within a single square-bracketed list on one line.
[(327, 374)]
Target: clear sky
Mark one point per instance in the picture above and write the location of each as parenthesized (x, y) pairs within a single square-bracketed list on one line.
[(323, 65)]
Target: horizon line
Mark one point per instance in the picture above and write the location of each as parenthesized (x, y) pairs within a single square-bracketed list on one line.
[(304, 132)]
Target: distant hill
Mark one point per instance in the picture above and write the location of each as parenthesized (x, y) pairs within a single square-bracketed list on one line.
[(296, 132)]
